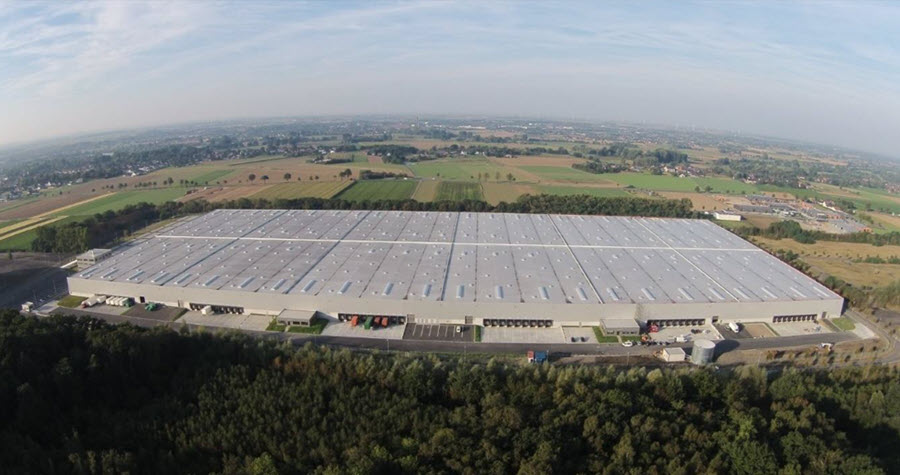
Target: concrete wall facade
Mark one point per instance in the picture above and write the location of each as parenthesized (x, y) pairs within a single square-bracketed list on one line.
[(458, 312)]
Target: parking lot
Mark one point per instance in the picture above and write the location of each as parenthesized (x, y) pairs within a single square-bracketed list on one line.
[(439, 332), (672, 334), (393, 332), (228, 320), (799, 328), (580, 334), (162, 314), (522, 335)]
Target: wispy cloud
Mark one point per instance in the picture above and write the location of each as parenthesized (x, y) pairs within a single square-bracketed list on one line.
[(213, 57)]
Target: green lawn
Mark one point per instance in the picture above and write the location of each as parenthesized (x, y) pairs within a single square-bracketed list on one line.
[(315, 327), (458, 191), (275, 327), (601, 338), (575, 190), (844, 324), (122, 199), (378, 190), (70, 301)]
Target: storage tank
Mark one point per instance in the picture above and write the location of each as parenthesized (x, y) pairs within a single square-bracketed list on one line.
[(703, 351)]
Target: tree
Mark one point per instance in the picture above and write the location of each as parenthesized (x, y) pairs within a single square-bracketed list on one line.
[(510, 177), (251, 177), (265, 178), (287, 177)]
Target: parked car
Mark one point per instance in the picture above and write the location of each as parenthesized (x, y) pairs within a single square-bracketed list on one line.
[(628, 344)]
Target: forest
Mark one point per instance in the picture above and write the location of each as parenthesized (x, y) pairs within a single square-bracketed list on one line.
[(81, 396), (104, 229)]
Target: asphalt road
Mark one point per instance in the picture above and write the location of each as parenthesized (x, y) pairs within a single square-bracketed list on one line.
[(722, 346)]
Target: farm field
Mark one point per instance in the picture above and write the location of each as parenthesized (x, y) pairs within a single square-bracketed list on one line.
[(464, 170), (122, 199), (885, 222), (22, 241), (836, 258), (458, 191), (325, 189), (673, 183), (701, 201), (211, 176), (566, 175), (845, 250), (496, 192), (861, 197), (581, 190), (378, 190), (224, 193), (426, 190)]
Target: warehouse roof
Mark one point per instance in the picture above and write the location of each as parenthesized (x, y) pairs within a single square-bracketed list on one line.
[(459, 257)]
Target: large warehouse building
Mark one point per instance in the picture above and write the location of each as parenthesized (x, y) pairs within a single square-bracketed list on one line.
[(481, 268)]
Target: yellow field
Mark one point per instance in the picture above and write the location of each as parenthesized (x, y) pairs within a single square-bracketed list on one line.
[(496, 192), (846, 250), (836, 258), (701, 201), (30, 224), (324, 189), (426, 190), (885, 221), (857, 273)]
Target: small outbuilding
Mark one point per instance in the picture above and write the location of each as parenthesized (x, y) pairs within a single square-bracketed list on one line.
[(301, 318), (91, 257), (620, 326), (673, 354)]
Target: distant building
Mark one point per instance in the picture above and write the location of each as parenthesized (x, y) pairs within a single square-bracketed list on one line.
[(726, 216)]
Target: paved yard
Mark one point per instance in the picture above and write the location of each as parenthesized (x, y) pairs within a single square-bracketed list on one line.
[(799, 328), (523, 335), (419, 331), (579, 333), (107, 309), (163, 313), (393, 332), (227, 320), (759, 330), (707, 332)]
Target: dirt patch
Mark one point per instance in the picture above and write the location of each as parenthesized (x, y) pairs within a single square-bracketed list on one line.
[(496, 192), (701, 201), (426, 190), (759, 330), (375, 159)]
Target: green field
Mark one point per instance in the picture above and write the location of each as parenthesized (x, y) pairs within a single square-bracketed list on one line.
[(378, 190), (22, 241), (566, 174), (458, 191), (674, 183), (575, 190), (124, 198), (211, 176), (462, 170), (323, 189)]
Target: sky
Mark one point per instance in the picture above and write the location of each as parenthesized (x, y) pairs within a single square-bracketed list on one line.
[(826, 72)]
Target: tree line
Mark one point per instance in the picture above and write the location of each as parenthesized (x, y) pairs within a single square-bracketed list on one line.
[(78, 395), (792, 230), (107, 228)]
